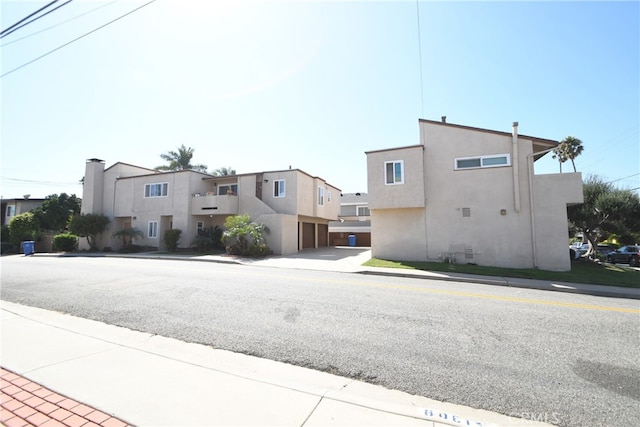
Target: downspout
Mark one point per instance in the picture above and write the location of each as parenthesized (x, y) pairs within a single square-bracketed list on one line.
[(534, 247), (516, 167)]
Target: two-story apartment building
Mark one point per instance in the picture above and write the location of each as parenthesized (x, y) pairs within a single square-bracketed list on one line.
[(354, 220), (295, 206), (470, 195), (12, 207)]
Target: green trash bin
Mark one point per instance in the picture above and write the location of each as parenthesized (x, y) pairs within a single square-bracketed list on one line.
[(28, 247)]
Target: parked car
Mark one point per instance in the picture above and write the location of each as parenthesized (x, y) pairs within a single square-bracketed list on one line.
[(625, 255), (581, 250)]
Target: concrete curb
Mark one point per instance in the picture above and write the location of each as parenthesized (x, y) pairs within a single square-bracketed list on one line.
[(576, 288)]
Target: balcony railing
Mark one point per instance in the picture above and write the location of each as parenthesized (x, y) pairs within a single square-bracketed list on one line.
[(214, 205)]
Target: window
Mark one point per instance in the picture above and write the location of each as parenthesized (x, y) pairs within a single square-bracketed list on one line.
[(11, 211), (466, 212), (231, 190), (483, 162), (152, 230), (199, 227), (321, 196), (394, 172), (156, 190), (363, 211), (329, 196), (278, 188)]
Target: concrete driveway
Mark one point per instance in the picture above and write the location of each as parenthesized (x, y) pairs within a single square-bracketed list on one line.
[(339, 258)]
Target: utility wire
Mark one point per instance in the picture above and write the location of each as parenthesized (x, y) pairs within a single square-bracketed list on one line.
[(76, 39), (420, 56), (27, 17), (35, 19), (625, 177), (58, 24)]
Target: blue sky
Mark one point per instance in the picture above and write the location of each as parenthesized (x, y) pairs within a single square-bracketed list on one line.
[(264, 85)]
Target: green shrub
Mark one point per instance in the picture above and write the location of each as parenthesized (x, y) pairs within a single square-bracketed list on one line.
[(23, 227), (246, 237), (65, 242), (208, 239), (172, 238)]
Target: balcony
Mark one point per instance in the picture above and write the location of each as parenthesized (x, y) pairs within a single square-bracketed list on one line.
[(214, 205)]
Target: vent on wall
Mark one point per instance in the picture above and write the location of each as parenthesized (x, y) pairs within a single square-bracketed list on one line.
[(466, 212), (468, 253)]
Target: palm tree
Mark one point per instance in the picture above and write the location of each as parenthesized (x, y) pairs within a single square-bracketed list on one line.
[(223, 171), (573, 148), (568, 149), (180, 160), (559, 152)]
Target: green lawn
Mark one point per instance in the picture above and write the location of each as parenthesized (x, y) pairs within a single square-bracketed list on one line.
[(581, 272)]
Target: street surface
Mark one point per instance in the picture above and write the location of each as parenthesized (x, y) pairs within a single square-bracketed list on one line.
[(566, 359)]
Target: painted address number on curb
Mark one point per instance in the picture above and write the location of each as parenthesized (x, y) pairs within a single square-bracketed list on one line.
[(451, 418)]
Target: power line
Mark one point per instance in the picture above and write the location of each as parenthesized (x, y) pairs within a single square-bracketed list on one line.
[(60, 23), (27, 17), (76, 39), (620, 179), (40, 182), (420, 57), (35, 19)]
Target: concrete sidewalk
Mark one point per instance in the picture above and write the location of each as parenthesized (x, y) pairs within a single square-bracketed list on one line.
[(146, 380)]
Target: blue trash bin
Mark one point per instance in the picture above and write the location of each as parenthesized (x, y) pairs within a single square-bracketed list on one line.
[(352, 240), (27, 247)]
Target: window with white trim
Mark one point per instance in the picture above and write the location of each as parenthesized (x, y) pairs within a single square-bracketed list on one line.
[(152, 230), (199, 227), (11, 211), (394, 172), (328, 196), (278, 188), (363, 211), (160, 189), (493, 161), (321, 196)]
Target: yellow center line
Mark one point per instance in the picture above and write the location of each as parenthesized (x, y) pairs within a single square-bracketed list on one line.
[(459, 293)]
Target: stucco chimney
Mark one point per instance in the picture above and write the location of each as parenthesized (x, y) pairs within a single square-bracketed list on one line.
[(93, 186)]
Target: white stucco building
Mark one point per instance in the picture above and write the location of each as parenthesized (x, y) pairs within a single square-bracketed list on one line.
[(296, 206), (470, 195)]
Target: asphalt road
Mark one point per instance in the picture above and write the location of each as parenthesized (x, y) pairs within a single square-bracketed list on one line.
[(566, 359)]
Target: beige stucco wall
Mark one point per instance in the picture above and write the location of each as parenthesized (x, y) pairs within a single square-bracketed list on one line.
[(398, 234), (283, 236), (551, 194), (407, 195)]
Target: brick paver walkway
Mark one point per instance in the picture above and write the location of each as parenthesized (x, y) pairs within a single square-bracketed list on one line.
[(25, 403)]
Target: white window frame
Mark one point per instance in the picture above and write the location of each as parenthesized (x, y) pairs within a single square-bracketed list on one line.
[(362, 207), (10, 211), (152, 229), (199, 227), (328, 196), (482, 160), (386, 175), (164, 190), (320, 196), (279, 188)]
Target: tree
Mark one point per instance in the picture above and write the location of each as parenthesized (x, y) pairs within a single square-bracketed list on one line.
[(56, 211), (224, 171), (568, 149), (180, 160), (606, 210), (89, 226), (23, 227), (128, 235), (248, 235)]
